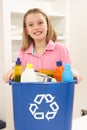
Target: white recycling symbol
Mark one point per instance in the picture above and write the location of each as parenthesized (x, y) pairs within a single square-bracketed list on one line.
[(34, 107)]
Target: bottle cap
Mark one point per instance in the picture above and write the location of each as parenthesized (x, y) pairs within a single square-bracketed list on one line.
[(59, 63), (29, 66), (18, 61), (67, 67)]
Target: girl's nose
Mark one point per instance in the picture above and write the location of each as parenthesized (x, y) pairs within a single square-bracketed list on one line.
[(36, 26)]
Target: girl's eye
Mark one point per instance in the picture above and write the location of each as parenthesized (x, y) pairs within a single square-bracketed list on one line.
[(30, 25), (40, 22)]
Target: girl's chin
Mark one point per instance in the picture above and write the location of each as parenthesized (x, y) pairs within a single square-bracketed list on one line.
[(39, 39)]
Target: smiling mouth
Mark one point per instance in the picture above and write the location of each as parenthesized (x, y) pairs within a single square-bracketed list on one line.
[(37, 33)]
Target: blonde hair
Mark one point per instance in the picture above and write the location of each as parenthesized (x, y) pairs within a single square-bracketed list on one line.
[(27, 40)]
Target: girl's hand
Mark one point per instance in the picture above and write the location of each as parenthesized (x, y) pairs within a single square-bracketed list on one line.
[(77, 76), (8, 76)]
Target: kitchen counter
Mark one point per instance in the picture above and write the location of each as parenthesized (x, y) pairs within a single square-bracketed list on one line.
[(80, 123)]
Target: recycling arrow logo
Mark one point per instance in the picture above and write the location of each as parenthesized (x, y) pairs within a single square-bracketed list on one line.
[(49, 99)]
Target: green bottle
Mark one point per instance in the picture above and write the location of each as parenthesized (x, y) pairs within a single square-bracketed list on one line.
[(17, 70)]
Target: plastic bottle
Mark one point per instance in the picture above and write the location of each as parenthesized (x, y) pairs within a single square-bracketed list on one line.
[(17, 70), (67, 75), (29, 74), (46, 71), (58, 71)]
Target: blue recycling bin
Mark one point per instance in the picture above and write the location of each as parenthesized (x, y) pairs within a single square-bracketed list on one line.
[(43, 106)]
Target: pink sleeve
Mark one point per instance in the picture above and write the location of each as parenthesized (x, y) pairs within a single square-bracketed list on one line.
[(20, 54), (65, 55)]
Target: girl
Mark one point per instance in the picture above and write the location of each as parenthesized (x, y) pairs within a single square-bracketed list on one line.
[(40, 46)]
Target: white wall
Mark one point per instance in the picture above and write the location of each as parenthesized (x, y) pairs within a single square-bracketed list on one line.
[(5, 64), (79, 51)]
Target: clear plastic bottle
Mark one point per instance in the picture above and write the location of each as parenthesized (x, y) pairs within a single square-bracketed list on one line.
[(58, 71), (29, 74), (67, 75), (17, 70)]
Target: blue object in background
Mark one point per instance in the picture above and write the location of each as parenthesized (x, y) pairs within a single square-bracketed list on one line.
[(67, 74), (43, 106)]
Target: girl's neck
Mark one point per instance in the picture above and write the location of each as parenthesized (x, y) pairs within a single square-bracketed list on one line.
[(40, 46)]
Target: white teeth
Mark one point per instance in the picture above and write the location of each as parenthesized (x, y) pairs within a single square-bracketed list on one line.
[(37, 33)]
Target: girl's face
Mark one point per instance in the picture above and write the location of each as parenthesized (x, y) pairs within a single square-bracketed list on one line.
[(36, 26)]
